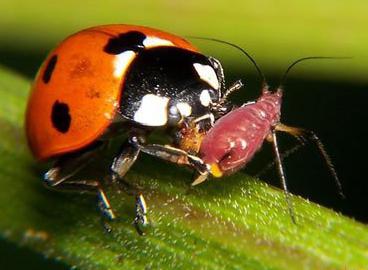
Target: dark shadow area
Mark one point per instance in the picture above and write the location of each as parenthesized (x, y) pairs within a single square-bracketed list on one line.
[(15, 257), (26, 62), (338, 113)]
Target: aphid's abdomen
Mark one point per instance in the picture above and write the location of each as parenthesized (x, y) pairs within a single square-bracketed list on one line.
[(237, 136)]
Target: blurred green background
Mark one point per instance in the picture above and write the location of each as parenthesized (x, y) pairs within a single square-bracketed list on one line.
[(328, 96)]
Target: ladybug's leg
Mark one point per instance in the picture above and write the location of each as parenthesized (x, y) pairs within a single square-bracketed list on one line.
[(128, 155), (122, 163), (120, 166), (233, 88), (58, 178), (180, 157), (172, 154), (87, 186)]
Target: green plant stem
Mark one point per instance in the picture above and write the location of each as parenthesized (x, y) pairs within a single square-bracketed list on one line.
[(236, 223)]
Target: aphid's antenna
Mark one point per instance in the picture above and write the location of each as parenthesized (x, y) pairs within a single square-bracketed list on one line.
[(283, 78), (260, 73)]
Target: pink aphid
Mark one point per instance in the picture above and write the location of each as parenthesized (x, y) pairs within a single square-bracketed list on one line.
[(235, 137), (238, 135)]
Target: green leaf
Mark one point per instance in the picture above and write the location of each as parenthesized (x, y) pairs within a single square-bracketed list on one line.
[(236, 223)]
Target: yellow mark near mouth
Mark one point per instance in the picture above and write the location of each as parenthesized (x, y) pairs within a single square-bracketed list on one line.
[(215, 170)]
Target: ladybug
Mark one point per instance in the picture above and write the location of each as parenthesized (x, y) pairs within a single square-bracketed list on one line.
[(108, 80)]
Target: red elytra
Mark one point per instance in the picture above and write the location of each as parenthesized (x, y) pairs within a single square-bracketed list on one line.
[(82, 80)]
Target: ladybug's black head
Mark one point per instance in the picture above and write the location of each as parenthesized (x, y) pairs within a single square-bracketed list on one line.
[(165, 86)]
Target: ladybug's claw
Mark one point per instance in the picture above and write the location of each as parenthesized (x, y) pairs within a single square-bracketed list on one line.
[(200, 178), (198, 164), (140, 221), (107, 212), (105, 206)]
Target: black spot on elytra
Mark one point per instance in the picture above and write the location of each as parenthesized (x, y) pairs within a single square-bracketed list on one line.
[(49, 69), (60, 116), (130, 41)]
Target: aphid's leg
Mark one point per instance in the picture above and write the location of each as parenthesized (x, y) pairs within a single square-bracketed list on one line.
[(280, 168), (283, 155), (58, 178), (303, 135), (120, 166)]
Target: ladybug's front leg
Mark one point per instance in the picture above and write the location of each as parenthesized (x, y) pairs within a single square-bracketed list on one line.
[(120, 166), (180, 157), (128, 155), (172, 154)]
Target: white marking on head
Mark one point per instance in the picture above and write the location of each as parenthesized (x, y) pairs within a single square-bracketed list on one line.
[(150, 42), (205, 98), (207, 74), (184, 108), (121, 63), (152, 111)]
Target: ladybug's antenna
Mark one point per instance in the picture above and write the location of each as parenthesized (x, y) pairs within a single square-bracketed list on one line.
[(283, 78), (260, 73)]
